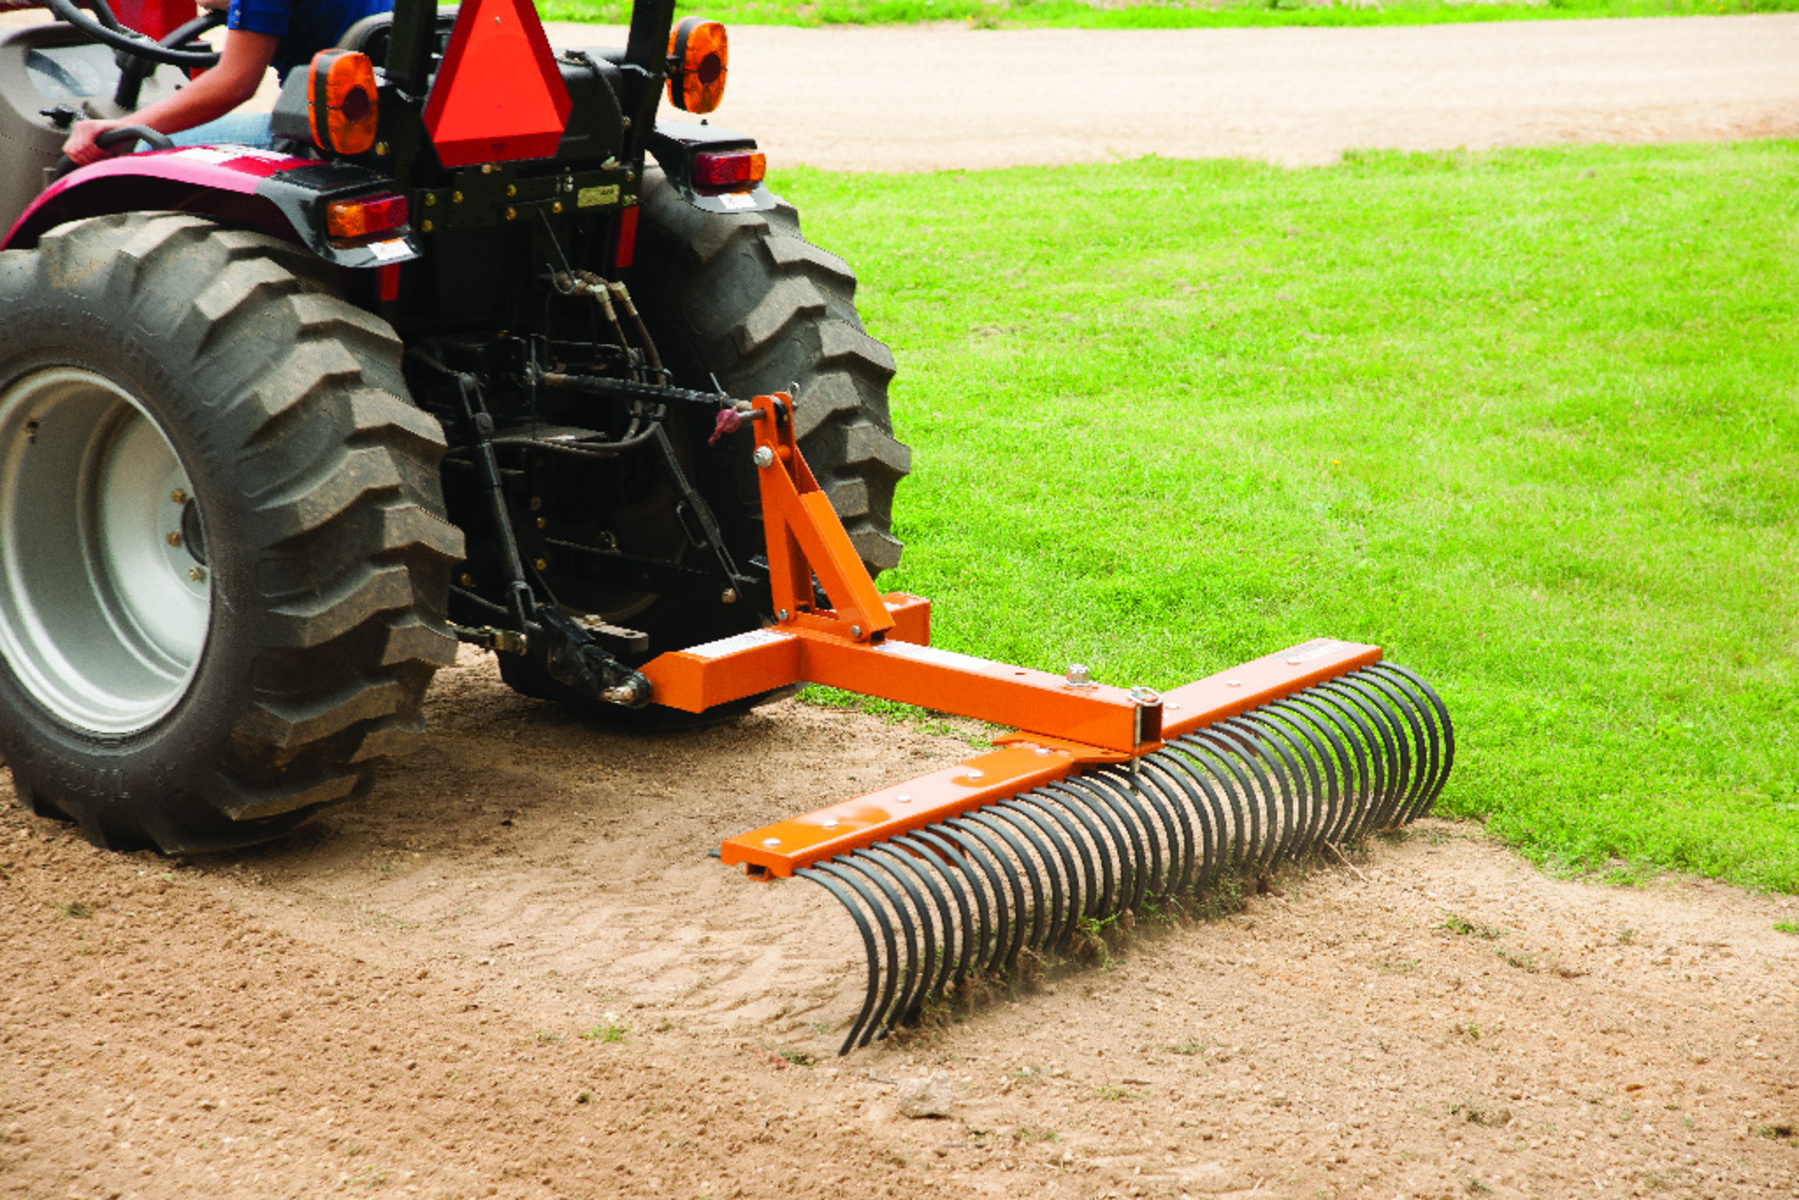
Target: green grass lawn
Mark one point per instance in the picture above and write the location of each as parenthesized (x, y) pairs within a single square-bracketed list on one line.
[(1530, 420), (1156, 14)]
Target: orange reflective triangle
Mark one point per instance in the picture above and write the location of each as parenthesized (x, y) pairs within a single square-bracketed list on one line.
[(498, 95)]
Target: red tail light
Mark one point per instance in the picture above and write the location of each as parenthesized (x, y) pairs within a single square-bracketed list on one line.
[(733, 171), (365, 216)]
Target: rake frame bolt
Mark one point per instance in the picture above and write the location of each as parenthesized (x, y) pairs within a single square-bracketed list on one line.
[(1079, 676), (765, 457), (771, 843), (903, 798)]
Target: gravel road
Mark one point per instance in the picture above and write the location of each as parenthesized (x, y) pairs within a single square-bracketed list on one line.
[(937, 97)]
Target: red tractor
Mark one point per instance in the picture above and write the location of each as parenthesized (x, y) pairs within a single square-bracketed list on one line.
[(278, 428)]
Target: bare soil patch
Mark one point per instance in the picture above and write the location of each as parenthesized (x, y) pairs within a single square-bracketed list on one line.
[(515, 972)]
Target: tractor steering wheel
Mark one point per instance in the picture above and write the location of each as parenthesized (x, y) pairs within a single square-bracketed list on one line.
[(105, 28)]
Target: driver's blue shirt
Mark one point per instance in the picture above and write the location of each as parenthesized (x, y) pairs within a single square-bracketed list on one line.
[(304, 26)]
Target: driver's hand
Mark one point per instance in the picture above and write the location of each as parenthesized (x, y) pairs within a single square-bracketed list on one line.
[(80, 145)]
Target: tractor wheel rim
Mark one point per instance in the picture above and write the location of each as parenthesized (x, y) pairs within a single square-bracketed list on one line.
[(105, 588)]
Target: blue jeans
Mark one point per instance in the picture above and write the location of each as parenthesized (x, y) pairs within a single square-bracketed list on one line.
[(232, 129)]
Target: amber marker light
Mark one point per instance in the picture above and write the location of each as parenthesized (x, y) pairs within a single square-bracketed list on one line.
[(365, 217), (697, 58), (342, 105)]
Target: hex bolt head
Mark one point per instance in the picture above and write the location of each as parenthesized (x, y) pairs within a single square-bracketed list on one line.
[(197, 574), (771, 843), (780, 614), (177, 497), (173, 539), (728, 596), (855, 631), (1078, 676), (764, 457)]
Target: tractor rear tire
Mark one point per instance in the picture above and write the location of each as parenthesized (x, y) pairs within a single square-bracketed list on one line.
[(223, 559), (746, 300), (743, 303)]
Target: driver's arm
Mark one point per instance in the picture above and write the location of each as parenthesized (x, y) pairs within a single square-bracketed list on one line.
[(242, 63)]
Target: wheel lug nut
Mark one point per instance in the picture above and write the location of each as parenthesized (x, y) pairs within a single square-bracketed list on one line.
[(177, 497), (173, 539), (197, 574)]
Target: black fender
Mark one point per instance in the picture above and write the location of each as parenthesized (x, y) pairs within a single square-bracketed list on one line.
[(674, 143)]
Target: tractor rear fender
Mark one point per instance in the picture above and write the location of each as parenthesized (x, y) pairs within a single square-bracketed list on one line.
[(273, 193)]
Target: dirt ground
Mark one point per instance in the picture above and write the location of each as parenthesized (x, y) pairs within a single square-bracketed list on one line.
[(517, 973), (514, 972)]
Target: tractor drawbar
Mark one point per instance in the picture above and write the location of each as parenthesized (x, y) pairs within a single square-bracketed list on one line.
[(1107, 803)]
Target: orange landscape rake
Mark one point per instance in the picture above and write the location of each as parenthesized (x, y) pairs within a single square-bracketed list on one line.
[(1105, 801)]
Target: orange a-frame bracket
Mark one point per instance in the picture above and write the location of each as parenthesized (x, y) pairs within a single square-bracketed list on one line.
[(878, 645)]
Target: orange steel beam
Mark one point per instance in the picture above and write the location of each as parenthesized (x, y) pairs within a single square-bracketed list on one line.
[(1025, 760), (878, 645)]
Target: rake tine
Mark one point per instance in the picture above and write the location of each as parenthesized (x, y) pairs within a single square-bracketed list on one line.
[(1082, 886), (917, 964), (825, 880), (1005, 948), (1058, 867), (1116, 815), (1371, 779), (1170, 828), (956, 934), (1002, 828), (961, 882), (1237, 788), (936, 955), (1325, 800), (1412, 750), (1382, 740), (1442, 733), (854, 879), (1304, 819), (1178, 794), (1099, 899), (993, 936), (1281, 768)]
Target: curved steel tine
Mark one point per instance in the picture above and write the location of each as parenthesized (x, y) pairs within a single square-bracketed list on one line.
[(1325, 805), (1236, 788), (1400, 719), (1349, 724), (863, 1031), (1442, 731), (1249, 838), (1208, 810), (918, 975), (1167, 836), (1398, 707), (1133, 867), (1381, 742), (1084, 885), (926, 867), (1308, 788), (1006, 830), (1099, 901), (1058, 866), (1426, 748), (961, 883), (1285, 773), (894, 996), (987, 953), (1177, 791), (1005, 950)]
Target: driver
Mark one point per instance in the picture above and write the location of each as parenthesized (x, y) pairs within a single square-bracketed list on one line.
[(259, 34)]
